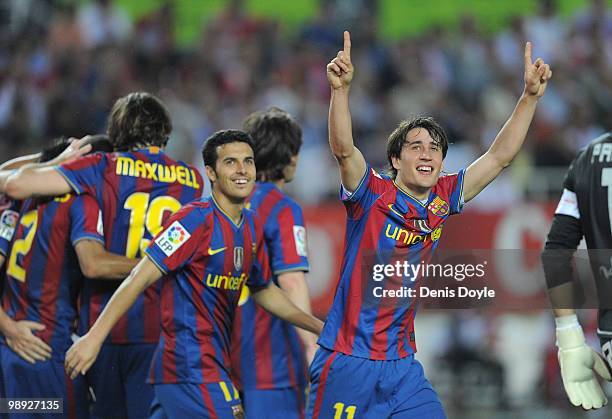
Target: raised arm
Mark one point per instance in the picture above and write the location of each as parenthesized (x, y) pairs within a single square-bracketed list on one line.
[(351, 163), (510, 139), (82, 354)]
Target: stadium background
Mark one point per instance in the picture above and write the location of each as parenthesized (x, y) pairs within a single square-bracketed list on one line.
[(63, 63)]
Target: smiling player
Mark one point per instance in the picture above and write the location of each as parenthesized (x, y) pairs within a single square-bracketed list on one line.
[(208, 251), (366, 365)]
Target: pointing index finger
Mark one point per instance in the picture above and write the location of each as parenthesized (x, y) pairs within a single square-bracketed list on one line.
[(527, 54), (347, 44)]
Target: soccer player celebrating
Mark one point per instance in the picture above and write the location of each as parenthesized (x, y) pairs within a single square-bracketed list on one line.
[(585, 210), (268, 362), (137, 187), (366, 366), (208, 251), (53, 237)]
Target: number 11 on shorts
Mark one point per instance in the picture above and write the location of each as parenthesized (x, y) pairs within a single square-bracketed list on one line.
[(350, 411)]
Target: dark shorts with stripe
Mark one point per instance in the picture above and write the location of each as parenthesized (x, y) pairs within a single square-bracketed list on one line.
[(344, 386), (189, 400)]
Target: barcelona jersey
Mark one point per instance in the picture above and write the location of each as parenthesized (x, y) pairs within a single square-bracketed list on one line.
[(266, 351), (137, 192), (42, 270), (384, 222), (208, 259)]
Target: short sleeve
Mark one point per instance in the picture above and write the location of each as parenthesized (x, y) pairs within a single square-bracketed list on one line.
[(179, 240), (451, 187), (285, 236), (372, 186), (84, 175), (86, 220)]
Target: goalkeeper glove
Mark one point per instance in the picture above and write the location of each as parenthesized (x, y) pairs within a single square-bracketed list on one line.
[(577, 362)]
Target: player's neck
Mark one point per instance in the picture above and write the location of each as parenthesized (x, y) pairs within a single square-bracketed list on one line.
[(231, 208), (417, 192)]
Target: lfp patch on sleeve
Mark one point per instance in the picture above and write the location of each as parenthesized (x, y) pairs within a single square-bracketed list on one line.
[(173, 238), (8, 223), (299, 234)]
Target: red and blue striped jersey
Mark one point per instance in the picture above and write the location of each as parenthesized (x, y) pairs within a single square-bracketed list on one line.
[(208, 259), (137, 192), (385, 224), (43, 278), (266, 351)]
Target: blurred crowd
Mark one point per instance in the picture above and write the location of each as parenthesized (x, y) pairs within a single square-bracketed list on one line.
[(62, 64)]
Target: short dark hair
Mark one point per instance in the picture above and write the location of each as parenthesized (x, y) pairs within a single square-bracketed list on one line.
[(209, 152), (98, 143), (138, 120), (397, 139), (277, 137)]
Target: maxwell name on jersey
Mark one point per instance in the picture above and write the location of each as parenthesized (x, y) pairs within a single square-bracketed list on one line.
[(127, 166)]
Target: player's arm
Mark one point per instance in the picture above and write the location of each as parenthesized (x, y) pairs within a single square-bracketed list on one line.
[(510, 139), (18, 162), (296, 290), (351, 163), (41, 178), (276, 302), (97, 263), (84, 351), (576, 359)]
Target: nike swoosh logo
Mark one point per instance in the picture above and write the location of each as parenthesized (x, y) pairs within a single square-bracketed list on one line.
[(212, 251), (396, 212)]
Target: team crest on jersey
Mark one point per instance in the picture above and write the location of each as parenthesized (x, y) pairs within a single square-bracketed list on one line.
[(299, 235), (439, 207), (238, 257), (8, 223), (173, 238)]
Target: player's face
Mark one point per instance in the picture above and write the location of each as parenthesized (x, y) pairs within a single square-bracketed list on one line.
[(420, 162), (234, 172), (289, 170)]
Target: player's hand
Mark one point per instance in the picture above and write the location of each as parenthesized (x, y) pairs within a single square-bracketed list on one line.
[(76, 149), (537, 74), (340, 70), (81, 356), (578, 363), (24, 343)]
